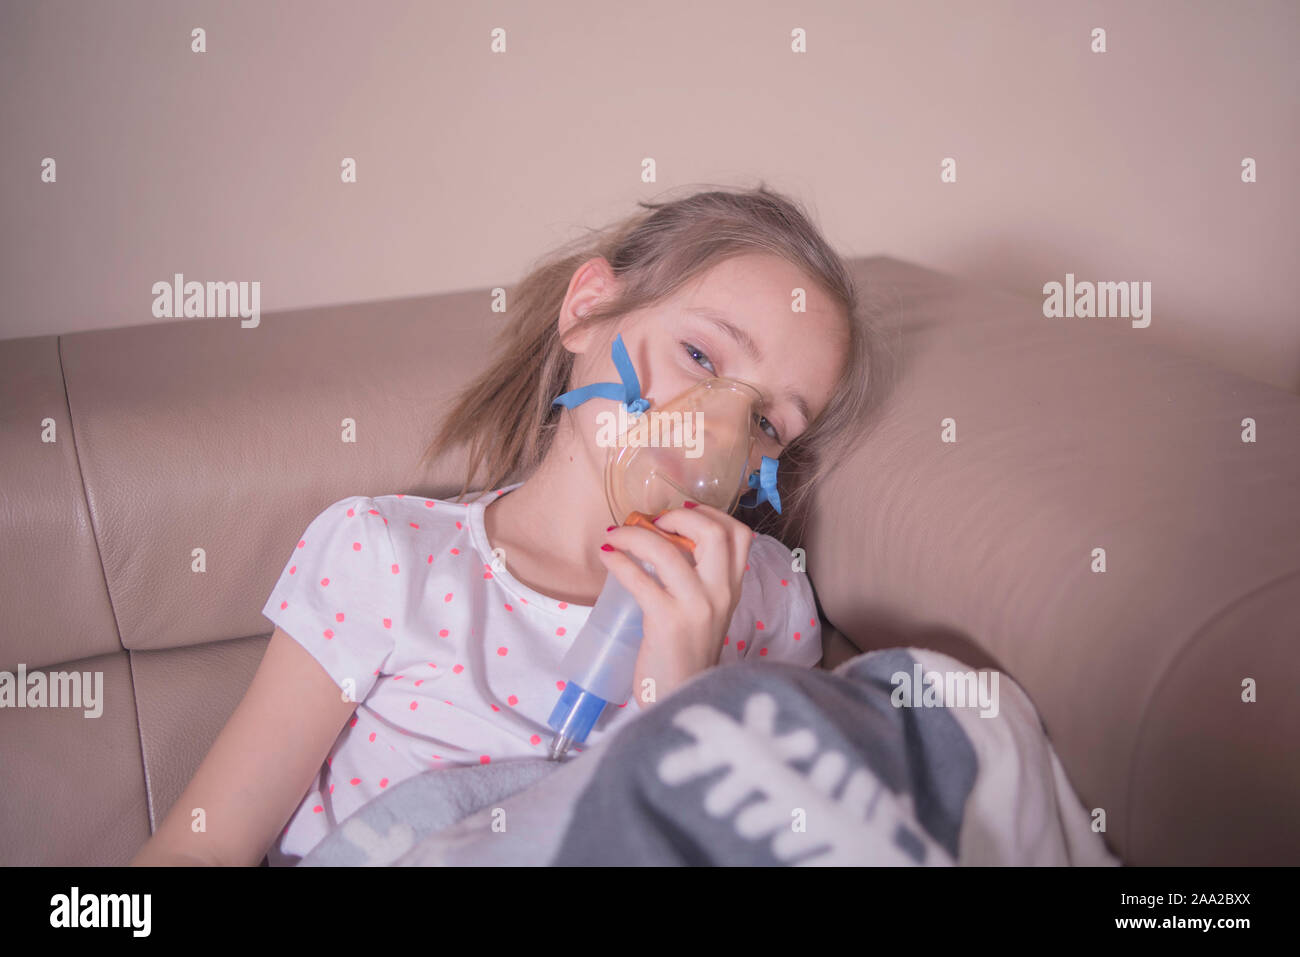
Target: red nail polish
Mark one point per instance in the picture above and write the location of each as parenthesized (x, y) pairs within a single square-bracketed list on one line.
[(690, 504), (607, 547)]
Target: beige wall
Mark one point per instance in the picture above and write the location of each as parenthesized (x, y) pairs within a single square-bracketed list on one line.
[(225, 165)]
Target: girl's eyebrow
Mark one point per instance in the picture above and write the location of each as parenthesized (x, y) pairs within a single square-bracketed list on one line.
[(746, 342)]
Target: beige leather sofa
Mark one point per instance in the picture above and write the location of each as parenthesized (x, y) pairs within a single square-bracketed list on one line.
[(1072, 435)]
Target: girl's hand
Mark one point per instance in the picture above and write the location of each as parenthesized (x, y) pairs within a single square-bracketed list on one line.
[(684, 622)]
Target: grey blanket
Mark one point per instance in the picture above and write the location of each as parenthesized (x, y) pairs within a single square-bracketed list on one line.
[(761, 764)]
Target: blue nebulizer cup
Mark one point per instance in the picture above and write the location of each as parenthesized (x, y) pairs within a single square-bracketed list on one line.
[(697, 448)]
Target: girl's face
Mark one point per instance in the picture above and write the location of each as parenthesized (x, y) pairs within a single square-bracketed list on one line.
[(735, 320)]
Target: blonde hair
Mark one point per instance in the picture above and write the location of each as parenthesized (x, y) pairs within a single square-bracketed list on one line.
[(506, 416)]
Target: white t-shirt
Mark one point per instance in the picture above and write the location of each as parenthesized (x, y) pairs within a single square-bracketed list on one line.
[(454, 663)]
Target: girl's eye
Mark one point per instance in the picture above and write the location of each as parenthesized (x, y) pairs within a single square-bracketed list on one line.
[(775, 437), (691, 349)]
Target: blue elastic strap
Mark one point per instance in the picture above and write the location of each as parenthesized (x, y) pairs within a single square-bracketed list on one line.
[(764, 479), (628, 391)]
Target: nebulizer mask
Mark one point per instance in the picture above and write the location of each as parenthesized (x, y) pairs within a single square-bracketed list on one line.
[(696, 448)]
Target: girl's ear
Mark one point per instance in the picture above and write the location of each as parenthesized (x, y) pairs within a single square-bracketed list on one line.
[(576, 338), (592, 283)]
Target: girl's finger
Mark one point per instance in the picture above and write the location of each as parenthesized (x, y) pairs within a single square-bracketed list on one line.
[(633, 577), (671, 564), (721, 542)]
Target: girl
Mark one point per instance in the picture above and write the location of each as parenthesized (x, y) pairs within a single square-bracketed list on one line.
[(434, 629)]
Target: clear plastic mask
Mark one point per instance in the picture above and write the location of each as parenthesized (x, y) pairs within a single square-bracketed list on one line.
[(695, 448)]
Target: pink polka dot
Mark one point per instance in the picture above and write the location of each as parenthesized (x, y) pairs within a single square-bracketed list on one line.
[(417, 684), (413, 525), (430, 560), (502, 651), (559, 685), (292, 569), (784, 582), (494, 707), (329, 632), (458, 669), (432, 665), (394, 569), (487, 575), (762, 652), (455, 551), (746, 566), (302, 544), (524, 600), (355, 781), (284, 605), (812, 621), (512, 701), (388, 623), (331, 789), (443, 633), (324, 582), (508, 608), (356, 546), (401, 495), (353, 722), (535, 739), (374, 512), (796, 636), (726, 639), (447, 597), (351, 513), (564, 604), (317, 809), (383, 782), (740, 645), (458, 524), (372, 737), (339, 616), (483, 759), (758, 625), (397, 677), (560, 630), (428, 504), (412, 705)]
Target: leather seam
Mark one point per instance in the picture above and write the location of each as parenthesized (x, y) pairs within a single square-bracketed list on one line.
[(108, 592)]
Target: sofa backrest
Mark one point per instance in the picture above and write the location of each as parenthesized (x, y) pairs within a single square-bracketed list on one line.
[(1074, 436)]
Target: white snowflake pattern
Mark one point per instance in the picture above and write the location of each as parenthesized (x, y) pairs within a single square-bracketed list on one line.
[(857, 828)]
